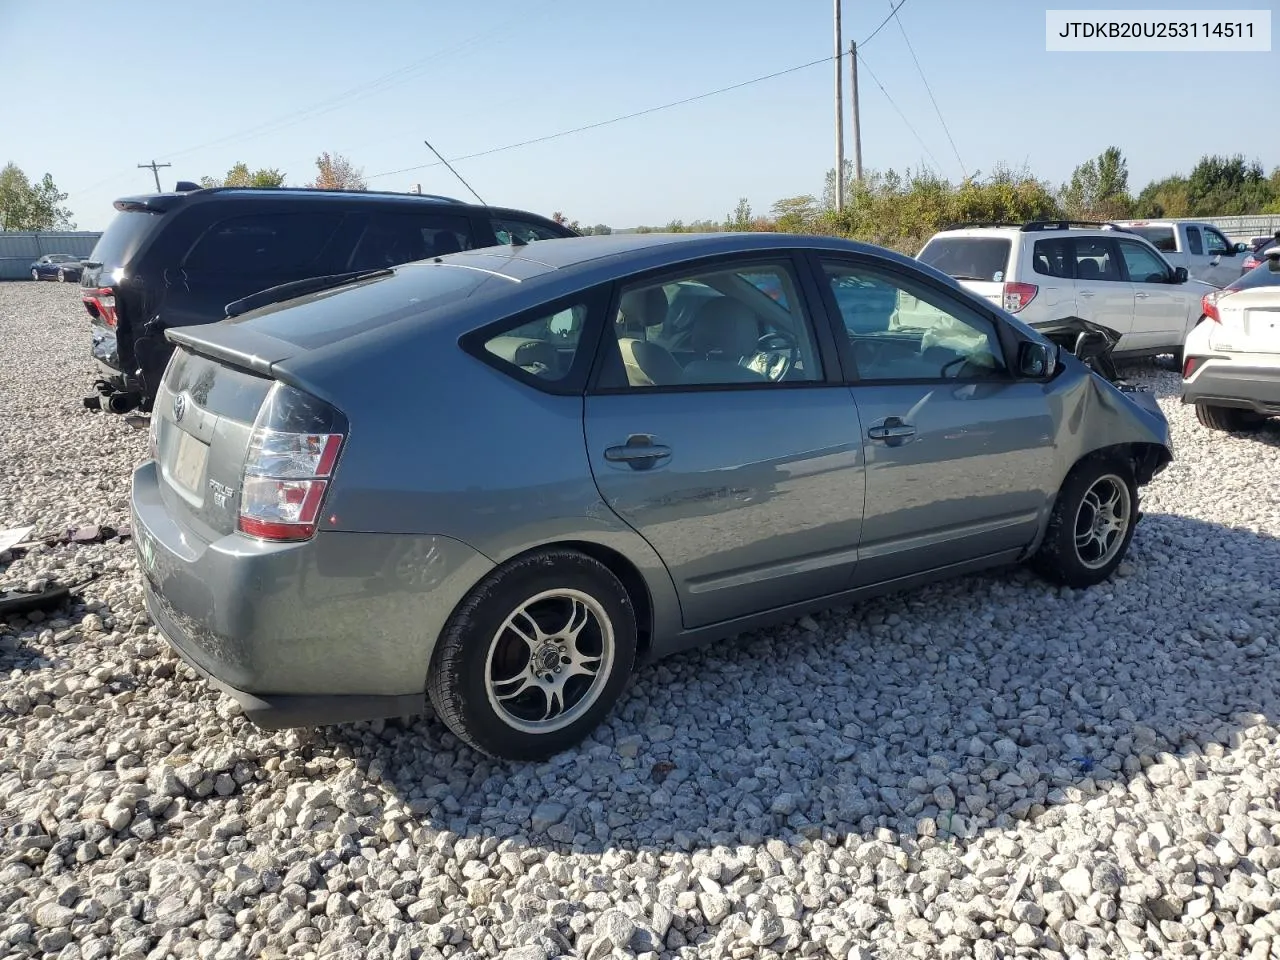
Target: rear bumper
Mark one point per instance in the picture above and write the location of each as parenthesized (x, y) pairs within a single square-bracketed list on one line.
[(338, 628), (1245, 386)]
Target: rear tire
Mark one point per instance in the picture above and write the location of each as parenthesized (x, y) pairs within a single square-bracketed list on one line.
[(535, 656), (1231, 419), (1091, 525), (62, 277)]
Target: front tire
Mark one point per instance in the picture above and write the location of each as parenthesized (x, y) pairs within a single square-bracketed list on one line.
[(1091, 525), (1231, 419), (35, 275), (535, 656)]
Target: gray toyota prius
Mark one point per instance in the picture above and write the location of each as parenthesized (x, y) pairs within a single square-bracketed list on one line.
[(499, 480)]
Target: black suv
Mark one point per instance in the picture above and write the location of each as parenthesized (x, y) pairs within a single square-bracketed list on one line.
[(177, 259)]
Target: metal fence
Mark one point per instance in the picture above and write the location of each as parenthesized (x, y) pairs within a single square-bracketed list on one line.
[(18, 250), (1243, 228)]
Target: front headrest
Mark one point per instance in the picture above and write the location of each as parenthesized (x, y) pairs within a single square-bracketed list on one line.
[(726, 327)]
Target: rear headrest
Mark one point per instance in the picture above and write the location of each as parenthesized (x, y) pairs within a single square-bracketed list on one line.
[(645, 308)]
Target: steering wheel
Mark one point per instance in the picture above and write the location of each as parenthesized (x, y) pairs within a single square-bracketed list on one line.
[(776, 355)]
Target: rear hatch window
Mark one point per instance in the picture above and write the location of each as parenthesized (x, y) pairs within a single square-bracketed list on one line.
[(124, 235), (969, 258), (1267, 274), (1161, 238), (324, 318), (201, 422)]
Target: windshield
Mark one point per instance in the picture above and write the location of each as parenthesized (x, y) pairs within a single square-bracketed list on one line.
[(1159, 237), (968, 258)]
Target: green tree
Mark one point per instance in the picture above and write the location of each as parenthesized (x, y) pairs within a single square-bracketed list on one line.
[(1099, 188), (336, 172), (31, 206), (795, 214), (240, 176), (741, 218)]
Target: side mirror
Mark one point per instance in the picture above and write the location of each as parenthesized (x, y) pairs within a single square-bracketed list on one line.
[(1241, 247), (1035, 359), (1180, 275)]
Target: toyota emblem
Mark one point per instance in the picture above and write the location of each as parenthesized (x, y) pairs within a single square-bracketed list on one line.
[(179, 407)]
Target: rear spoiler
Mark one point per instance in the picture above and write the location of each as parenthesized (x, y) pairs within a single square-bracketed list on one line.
[(234, 345), (156, 203)]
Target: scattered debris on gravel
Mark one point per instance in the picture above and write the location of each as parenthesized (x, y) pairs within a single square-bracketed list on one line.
[(987, 768)]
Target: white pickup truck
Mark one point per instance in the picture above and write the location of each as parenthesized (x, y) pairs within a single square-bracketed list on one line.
[(1201, 248)]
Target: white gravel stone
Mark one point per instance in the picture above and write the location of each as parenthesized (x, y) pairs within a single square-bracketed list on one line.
[(1023, 770)]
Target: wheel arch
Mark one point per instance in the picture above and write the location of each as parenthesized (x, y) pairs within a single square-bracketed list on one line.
[(621, 566)]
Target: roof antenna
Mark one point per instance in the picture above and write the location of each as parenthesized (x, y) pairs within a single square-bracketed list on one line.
[(455, 173)]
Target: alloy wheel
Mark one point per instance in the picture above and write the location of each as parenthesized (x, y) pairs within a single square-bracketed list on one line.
[(1102, 520), (549, 661)]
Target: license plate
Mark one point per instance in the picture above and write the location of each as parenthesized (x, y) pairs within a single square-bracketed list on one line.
[(189, 461)]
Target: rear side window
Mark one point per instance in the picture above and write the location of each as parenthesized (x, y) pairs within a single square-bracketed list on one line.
[(1052, 258), (1194, 242), (264, 243), (1159, 237), (1096, 260), (124, 235), (543, 347), (390, 239), (968, 258), (504, 230)]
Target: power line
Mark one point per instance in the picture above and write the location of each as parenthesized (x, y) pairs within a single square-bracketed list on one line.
[(884, 22), (359, 92), (611, 120), (929, 90), (876, 80)]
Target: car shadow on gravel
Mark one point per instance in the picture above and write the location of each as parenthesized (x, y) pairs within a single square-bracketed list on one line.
[(958, 708)]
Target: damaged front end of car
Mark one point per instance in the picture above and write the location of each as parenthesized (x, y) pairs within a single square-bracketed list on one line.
[(1093, 344)]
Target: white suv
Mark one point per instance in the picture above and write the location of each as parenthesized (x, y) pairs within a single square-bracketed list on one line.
[(1048, 272), (1231, 370)]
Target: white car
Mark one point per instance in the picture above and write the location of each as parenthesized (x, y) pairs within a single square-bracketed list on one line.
[(1231, 365), (1048, 272)]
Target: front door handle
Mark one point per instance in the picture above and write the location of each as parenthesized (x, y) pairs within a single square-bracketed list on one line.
[(1142, 296), (639, 452), (893, 428), (1085, 293)]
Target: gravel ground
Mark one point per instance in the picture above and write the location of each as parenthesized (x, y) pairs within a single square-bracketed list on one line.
[(988, 768)]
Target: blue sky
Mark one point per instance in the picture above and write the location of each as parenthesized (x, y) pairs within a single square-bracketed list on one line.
[(260, 82)]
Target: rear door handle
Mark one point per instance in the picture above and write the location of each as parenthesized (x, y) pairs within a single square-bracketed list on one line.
[(639, 452), (1142, 296), (891, 429), (1085, 293)]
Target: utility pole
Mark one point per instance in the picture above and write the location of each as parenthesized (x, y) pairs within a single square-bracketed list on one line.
[(839, 116), (857, 121), (155, 169)]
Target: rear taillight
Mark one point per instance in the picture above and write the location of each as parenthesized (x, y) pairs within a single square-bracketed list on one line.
[(1018, 295), (291, 458), (1250, 262), (1209, 305), (101, 302)]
